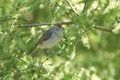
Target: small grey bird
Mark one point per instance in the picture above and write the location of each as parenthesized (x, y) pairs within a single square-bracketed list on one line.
[(50, 38)]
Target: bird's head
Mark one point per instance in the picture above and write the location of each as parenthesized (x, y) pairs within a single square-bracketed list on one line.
[(58, 27)]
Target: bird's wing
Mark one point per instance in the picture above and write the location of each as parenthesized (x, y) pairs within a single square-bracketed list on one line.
[(45, 36)]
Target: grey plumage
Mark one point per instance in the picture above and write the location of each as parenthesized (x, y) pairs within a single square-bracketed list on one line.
[(49, 39)]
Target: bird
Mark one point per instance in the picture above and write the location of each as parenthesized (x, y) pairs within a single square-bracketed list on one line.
[(49, 39)]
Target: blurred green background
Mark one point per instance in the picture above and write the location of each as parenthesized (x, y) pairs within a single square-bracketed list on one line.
[(84, 53)]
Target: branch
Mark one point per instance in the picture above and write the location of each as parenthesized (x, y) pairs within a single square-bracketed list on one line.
[(84, 6), (64, 9), (62, 23), (41, 24), (72, 8), (103, 29)]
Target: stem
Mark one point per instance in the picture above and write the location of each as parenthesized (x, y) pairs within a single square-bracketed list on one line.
[(84, 6), (72, 8)]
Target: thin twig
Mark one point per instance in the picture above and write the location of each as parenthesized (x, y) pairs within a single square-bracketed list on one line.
[(13, 18), (102, 29), (72, 8), (41, 24), (85, 4), (65, 10), (44, 62)]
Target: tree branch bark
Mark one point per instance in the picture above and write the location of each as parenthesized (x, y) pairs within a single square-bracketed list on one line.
[(62, 23)]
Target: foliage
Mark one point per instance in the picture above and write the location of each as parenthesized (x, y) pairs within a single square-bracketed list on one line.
[(89, 49)]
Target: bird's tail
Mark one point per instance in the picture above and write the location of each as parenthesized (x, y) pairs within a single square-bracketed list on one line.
[(34, 52)]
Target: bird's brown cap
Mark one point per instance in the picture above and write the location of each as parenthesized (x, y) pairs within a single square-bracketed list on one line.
[(58, 25)]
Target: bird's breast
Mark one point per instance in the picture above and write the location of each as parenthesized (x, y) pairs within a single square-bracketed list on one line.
[(52, 41)]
